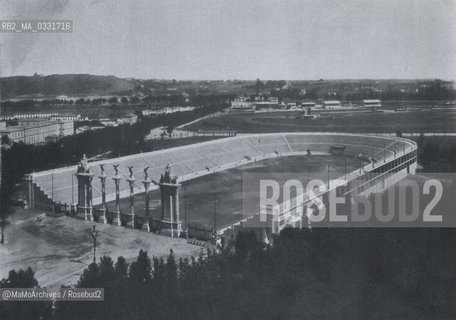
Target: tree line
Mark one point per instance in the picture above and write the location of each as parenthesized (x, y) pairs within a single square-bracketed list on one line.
[(320, 273), (431, 91)]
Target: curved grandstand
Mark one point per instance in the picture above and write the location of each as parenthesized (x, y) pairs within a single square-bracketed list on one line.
[(200, 159)]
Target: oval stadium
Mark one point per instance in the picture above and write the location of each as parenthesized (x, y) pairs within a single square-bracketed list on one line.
[(202, 165)]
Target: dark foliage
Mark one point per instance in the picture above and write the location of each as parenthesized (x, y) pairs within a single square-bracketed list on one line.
[(23, 310), (323, 274)]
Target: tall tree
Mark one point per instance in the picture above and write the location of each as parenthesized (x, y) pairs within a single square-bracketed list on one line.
[(23, 310), (139, 286)]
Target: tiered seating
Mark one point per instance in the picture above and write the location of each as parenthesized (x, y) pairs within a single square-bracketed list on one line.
[(270, 144), (218, 159), (354, 144), (57, 184), (198, 158), (399, 147), (241, 148), (299, 143)]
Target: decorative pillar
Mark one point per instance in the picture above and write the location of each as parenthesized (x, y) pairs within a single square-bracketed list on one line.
[(89, 197), (102, 176), (131, 216), (84, 177), (170, 222), (28, 191), (146, 182), (117, 221)]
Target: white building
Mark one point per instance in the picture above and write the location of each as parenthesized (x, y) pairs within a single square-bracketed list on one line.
[(43, 115), (66, 128), (29, 115), (241, 105), (308, 104), (372, 103), (128, 119), (66, 117), (108, 122), (292, 106), (274, 100), (37, 131), (331, 104)]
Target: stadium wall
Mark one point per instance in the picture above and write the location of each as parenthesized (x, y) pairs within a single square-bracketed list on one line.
[(196, 160)]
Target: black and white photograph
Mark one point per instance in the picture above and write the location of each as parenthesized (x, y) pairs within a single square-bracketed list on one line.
[(227, 159)]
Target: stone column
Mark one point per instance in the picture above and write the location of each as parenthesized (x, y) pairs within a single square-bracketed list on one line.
[(28, 191), (84, 207), (177, 212), (146, 225), (131, 214), (117, 221), (170, 221), (102, 218), (89, 215)]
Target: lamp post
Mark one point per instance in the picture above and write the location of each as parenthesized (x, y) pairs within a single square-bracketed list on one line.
[(94, 235), (215, 214), (345, 167), (360, 164), (72, 189), (185, 211), (52, 187), (328, 176)]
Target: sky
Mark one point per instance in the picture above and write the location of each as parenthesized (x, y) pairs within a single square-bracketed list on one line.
[(236, 39)]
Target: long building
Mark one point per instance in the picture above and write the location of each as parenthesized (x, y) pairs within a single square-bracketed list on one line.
[(331, 104), (36, 131), (372, 103), (42, 115)]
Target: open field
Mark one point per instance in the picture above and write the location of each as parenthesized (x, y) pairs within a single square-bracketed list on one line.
[(59, 249), (368, 122), (197, 196)]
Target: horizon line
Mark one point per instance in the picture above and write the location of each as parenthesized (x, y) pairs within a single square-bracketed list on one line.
[(226, 79)]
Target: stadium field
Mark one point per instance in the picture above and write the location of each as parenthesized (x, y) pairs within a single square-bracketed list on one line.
[(197, 196)]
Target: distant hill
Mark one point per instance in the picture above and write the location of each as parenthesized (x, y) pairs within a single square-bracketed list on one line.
[(67, 84)]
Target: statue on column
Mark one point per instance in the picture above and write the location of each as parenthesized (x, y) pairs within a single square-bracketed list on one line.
[(84, 162), (117, 221), (130, 168), (167, 178), (146, 175), (84, 177), (131, 216), (102, 176), (170, 222), (146, 225)]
